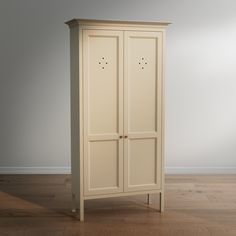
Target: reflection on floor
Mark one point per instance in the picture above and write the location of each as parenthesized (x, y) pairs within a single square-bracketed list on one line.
[(194, 205)]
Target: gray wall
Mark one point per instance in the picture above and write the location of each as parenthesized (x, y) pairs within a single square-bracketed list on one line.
[(200, 81)]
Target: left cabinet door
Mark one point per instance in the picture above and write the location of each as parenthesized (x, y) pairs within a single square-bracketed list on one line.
[(103, 111)]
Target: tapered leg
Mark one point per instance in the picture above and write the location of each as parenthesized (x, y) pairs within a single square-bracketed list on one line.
[(162, 202), (73, 203), (81, 207), (149, 199)]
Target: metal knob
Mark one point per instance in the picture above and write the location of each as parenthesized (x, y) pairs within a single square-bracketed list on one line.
[(120, 136), (126, 136)]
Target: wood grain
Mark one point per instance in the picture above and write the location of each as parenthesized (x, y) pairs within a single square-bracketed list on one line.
[(195, 205)]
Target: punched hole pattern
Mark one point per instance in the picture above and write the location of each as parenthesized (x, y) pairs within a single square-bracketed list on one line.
[(142, 63), (103, 62)]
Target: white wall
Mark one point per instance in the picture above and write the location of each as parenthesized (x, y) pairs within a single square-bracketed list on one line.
[(200, 81)]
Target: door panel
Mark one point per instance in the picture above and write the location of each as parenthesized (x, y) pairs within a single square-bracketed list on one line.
[(103, 154), (142, 84), (103, 111), (142, 159), (142, 110), (103, 81)]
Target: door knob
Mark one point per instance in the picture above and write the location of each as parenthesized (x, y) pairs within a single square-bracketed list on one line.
[(126, 136), (120, 136)]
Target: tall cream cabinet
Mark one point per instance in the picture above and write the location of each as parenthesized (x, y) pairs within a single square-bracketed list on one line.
[(117, 109)]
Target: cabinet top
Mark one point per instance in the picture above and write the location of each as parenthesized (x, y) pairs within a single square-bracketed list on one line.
[(76, 22)]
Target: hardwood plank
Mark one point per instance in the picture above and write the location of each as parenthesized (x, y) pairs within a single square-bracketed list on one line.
[(195, 205)]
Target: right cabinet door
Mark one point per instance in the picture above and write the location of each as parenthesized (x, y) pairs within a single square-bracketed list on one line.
[(142, 110)]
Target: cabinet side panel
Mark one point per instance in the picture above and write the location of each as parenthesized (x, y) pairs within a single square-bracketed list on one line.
[(163, 48), (74, 93)]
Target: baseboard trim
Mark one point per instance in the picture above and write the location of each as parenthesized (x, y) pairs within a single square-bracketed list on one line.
[(200, 170), (35, 170), (67, 170)]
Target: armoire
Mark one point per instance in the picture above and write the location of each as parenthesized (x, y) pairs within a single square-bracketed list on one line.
[(117, 109)]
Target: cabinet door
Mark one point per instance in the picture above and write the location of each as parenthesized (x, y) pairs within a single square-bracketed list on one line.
[(103, 111), (142, 110)]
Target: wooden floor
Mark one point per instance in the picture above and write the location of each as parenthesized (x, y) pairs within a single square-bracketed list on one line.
[(195, 205)]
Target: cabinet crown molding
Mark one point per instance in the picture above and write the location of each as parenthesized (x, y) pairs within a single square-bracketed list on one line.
[(83, 21)]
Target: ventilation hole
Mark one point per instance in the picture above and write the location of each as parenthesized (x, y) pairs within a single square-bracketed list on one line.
[(142, 58), (102, 67), (106, 63), (142, 67), (139, 63), (99, 62), (103, 58), (145, 63)]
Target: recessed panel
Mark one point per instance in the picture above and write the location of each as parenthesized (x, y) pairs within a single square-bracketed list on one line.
[(103, 165), (142, 162), (103, 84), (142, 84)]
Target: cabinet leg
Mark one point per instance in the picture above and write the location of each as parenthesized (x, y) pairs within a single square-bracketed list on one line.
[(81, 207), (74, 205), (75, 201), (161, 202), (149, 199)]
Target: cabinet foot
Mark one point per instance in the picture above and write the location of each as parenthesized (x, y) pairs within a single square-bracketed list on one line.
[(78, 206), (74, 205), (81, 207), (161, 202), (149, 199)]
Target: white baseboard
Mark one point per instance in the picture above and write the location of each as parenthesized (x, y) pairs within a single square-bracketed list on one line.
[(67, 170), (200, 170), (35, 170)]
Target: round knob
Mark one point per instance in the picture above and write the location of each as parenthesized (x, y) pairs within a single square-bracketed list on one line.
[(120, 136), (126, 136)]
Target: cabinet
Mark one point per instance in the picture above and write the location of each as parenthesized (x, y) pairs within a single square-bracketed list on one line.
[(117, 109)]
